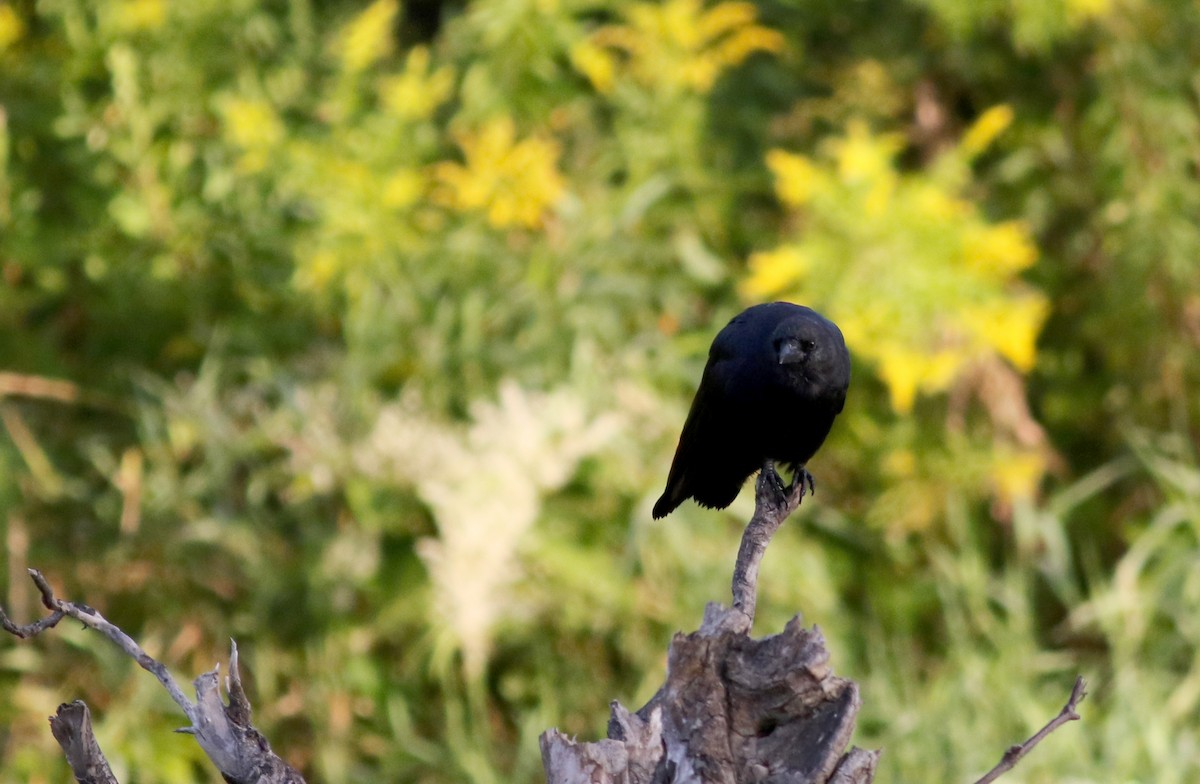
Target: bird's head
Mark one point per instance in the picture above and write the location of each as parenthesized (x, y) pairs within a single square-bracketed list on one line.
[(811, 354)]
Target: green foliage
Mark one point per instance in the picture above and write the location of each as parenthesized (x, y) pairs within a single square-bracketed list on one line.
[(362, 332)]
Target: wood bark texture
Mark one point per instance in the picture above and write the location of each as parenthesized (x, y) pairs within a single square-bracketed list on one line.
[(733, 710), (71, 726), (228, 737)]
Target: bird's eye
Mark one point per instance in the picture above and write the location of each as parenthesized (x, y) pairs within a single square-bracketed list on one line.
[(807, 345)]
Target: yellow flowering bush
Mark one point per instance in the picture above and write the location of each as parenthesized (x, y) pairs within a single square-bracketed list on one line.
[(928, 292), (673, 45), (417, 91), (921, 282), (369, 37), (513, 181), (253, 127)]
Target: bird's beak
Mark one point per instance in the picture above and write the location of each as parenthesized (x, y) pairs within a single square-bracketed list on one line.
[(790, 353)]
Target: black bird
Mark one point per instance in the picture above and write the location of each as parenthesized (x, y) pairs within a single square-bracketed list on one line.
[(776, 377)]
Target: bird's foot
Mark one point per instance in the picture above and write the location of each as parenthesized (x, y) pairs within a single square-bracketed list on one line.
[(777, 495), (801, 479), (785, 496)]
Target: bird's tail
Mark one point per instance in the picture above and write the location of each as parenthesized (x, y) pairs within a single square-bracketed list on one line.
[(671, 498)]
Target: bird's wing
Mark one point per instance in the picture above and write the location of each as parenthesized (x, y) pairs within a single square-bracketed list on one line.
[(705, 427)]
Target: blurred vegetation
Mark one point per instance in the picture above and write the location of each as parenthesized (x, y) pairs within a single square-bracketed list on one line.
[(362, 332)]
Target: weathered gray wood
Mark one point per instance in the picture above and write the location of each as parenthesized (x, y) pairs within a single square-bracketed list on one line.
[(733, 709), (857, 767), (224, 731), (772, 505), (71, 726)]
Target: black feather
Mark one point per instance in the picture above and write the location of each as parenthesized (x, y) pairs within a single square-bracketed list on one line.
[(776, 378)]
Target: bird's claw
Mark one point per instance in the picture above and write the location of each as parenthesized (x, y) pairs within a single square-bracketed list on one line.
[(776, 480), (799, 482), (785, 496)]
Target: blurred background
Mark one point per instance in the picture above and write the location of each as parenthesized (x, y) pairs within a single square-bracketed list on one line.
[(362, 333)]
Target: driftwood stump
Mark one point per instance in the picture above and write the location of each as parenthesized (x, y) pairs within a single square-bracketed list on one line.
[(733, 709)]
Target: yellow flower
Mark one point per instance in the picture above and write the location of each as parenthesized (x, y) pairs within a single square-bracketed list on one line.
[(1000, 250), (402, 189), (253, 126), (251, 123), (1025, 320), (722, 18), (900, 370), (775, 271), (675, 44), (596, 63), (936, 204), (905, 372), (796, 178), (940, 367), (864, 157), (11, 27), (745, 42), (416, 93), (513, 181), (1010, 327), (369, 37), (985, 129), (141, 14), (1079, 11), (315, 270), (879, 196), (1018, 475)]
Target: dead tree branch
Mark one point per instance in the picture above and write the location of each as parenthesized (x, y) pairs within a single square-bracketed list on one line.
[(92, 619), (72, 728), (772, 505), (223, 731), (1014, 753), (733, 709)]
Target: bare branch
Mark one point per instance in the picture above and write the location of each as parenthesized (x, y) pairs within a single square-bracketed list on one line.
[(1015, 753), (30, 629), (72, 728), (772, 505), (238, 750), (90, 618)]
